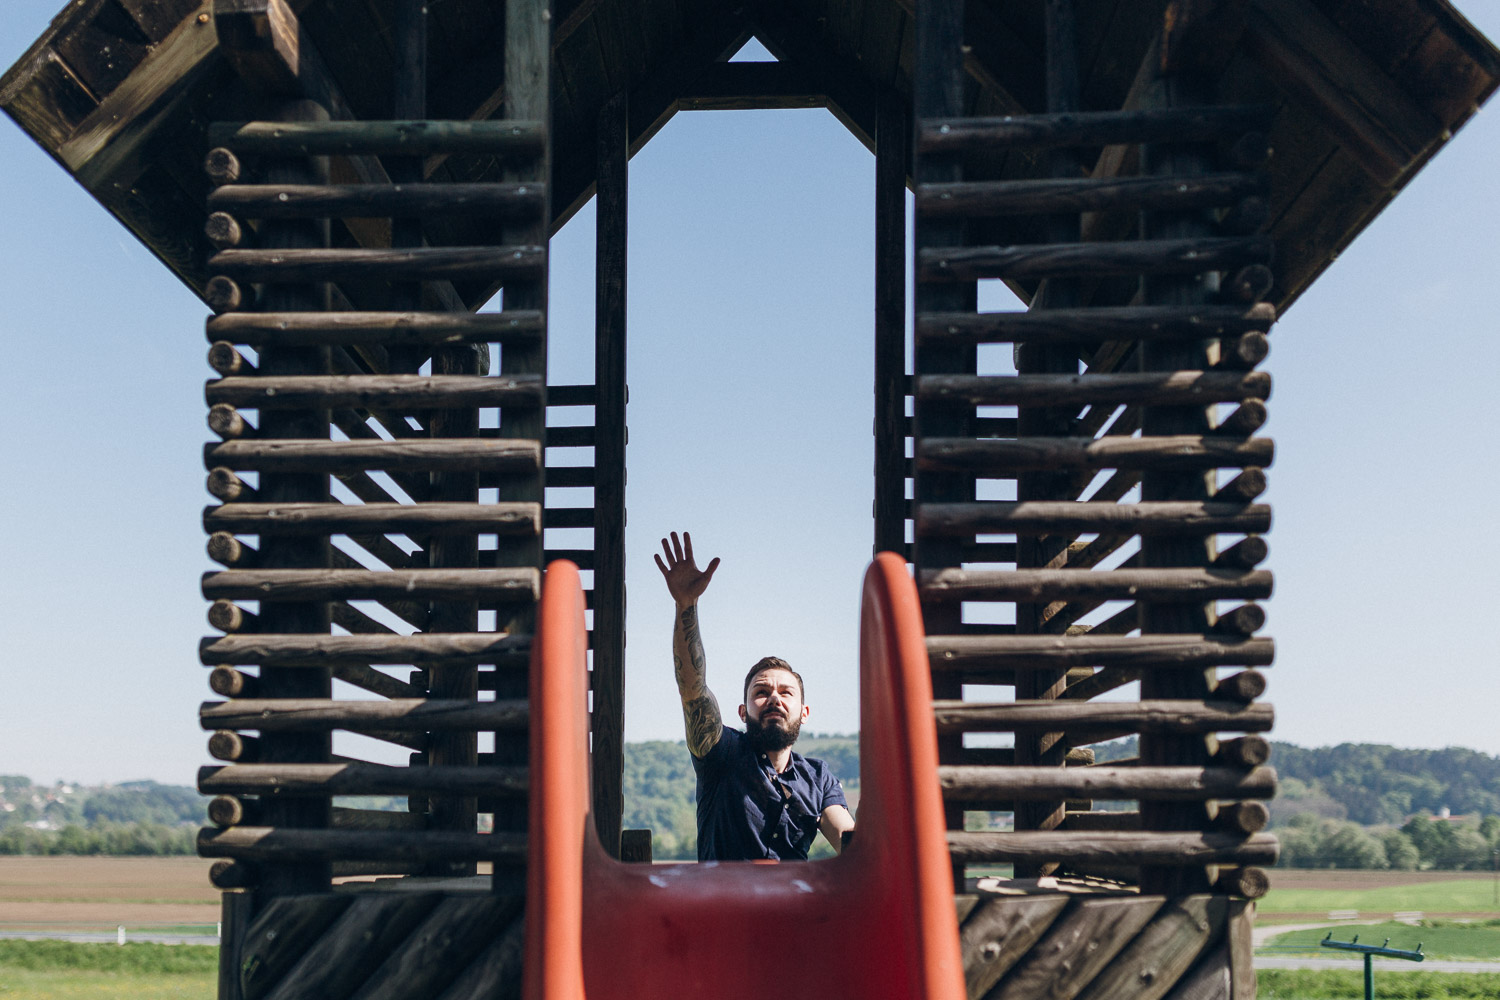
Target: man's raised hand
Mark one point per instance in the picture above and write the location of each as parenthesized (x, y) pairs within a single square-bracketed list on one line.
[(685, 581)]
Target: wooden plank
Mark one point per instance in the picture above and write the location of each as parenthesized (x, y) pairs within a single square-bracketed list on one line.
[(268, 201), (358, 519), (451, 936), (279, 935), (487, 586), (752, 86), (1240, 923), (1085, 194), (1209, 979), (1000, 932), (1076, 948), (1078, 584), (1135, 388), (892, 154), (324, 650), (497, 970), (1090, 128), (373, 263), (610, 340), (1168, 452), (1146, 784), (45, 97), (1150, 966), (1166, 716), (1145, 652), (376, 328), (361, 779), (342, 957), (413, 714), (1094, 325), (1192, 255), (415, 455), (279, 392), (1047, 517)]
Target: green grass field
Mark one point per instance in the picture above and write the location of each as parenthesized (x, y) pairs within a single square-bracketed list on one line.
[(1457, 896), (1336, 984), (65, 970), (1439, 939)]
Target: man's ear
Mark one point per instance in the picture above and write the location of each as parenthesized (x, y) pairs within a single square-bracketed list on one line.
[(742, 713), (806, 710)]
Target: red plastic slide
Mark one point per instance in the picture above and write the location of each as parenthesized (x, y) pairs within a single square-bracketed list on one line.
[(876, 922)]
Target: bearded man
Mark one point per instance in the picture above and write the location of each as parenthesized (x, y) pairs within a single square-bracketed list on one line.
[(757, 798)]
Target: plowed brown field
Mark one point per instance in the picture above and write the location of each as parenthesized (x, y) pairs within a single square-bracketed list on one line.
[(106, 891)]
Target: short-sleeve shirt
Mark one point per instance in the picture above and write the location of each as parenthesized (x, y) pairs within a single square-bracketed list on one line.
[(746, 811)]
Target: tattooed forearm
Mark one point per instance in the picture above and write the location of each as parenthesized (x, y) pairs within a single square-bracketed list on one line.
[(693, 639), (704, 724)]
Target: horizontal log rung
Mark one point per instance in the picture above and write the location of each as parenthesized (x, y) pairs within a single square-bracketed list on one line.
[(1090, 128), (510, 201), (1120, 847), (969, 199), (390, 329), (380, 264), (1092, 326), (1153, 784), (1040, 585), (381, 138), (403, 392), (1145, 652), (430, 649), (410, 455), (361, 779), (1044, 517), (394, 714), (1182, 388), (485, 586), (1177, 452), (421, 519), (1093, 260), (280, 844), (1151, 716)]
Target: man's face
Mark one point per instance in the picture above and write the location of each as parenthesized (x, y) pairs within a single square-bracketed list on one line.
[(773, 706)]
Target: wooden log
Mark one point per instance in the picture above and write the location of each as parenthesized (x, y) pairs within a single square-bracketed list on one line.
[(375, 819), (1162, 953), (1190, 255), (488, 586), (415, 392), (1046, 518), (1247, 553), (381, 138), (635, 846), (224, 359), (231, 875), (1029, 652), (1090, 327), (1155, 784), (1247, 418), (1245, 487), (226, 486), (225, 810), (1243, 352), (222, 166), (502, 455), (280, 933), (1244, 686), (299, 201), (232, 683), (227, 550), (1000, 932), (426, 519), (503, 263), (1242, 817), (1084, 716), (446, 649), (1037, 585), (226, 744), (389, 329), (283, 845), (1103, 821), (1077, 947), (1243, 751), (360, 779), (227, 422), (1173, 452), (1151, 848), (223, 294), (223, 230), (1247, 619), (971, 199), (1249, 215), (391, 715), (1136, 388), (1249, 284), (226, 616), (1094, 128)]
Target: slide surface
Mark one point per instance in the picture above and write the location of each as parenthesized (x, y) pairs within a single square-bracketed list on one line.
[(877, 921)]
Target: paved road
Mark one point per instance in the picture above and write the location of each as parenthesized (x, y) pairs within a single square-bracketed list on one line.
[(1381, 964), (109, 937)]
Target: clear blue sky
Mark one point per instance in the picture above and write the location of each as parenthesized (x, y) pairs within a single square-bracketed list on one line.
[(750, 372)]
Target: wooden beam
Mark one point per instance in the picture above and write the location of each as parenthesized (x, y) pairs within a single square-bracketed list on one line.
[(752, 86)]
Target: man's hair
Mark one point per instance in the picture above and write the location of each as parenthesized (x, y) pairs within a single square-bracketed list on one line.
[(772, 663)]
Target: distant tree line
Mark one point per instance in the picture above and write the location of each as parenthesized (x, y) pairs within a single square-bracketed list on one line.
[(1308, 841), (104, 837)]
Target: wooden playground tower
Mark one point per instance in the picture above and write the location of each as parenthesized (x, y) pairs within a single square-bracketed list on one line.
[(345, 181)]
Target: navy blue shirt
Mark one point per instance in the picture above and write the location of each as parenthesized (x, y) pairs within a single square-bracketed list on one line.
[(747, 811)]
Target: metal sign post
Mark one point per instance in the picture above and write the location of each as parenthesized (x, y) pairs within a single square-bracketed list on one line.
[(1370, 951)]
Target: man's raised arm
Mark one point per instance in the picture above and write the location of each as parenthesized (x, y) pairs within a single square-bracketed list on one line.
[(686, 583)]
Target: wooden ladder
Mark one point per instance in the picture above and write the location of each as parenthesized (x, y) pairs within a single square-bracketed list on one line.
[(1085, 493)]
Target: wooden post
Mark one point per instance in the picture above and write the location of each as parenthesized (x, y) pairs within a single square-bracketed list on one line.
[(608, 635), (892, 157), (1175, 160), (528, 56), (939, 93), (291, 552)]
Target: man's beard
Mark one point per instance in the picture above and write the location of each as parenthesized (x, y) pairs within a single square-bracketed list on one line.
[(767, 737)]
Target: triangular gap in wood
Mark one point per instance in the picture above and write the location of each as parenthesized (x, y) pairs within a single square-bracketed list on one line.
[(753, 51)]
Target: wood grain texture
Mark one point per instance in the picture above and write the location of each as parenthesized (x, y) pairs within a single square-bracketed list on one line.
[(999, 933), (1076, 948)]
